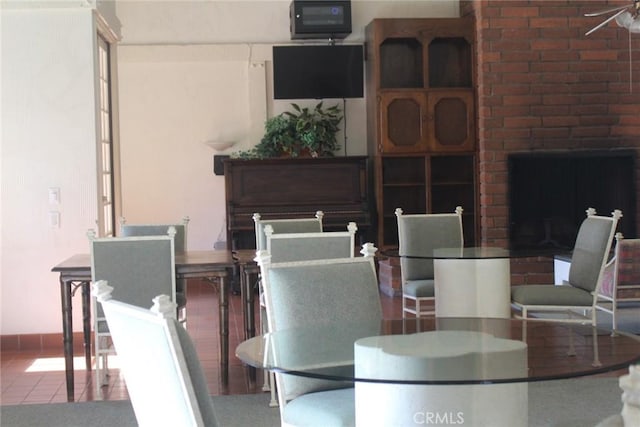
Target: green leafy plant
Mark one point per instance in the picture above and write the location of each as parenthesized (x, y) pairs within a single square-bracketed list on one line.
[(300, 132)]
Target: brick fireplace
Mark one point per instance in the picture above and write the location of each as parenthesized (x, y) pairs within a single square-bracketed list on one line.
[(543, 87)]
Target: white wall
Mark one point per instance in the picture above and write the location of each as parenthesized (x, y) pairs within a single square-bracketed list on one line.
[(203, 72), (189, 71), (48, 140)]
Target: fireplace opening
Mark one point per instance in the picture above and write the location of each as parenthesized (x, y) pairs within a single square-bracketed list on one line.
[(550, 192)]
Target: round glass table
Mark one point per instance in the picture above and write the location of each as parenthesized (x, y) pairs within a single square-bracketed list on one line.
[(554, 350), (413, 370), (473, 281)]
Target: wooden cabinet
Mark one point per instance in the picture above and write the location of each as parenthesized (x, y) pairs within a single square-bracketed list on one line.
[(421, 125)]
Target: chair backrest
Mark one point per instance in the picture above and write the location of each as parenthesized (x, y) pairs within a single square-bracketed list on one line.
[(138, 267), (180, 239), (310, 293), (420, 234), (287, 247), (164, 378), (591, 250), (291, 225)]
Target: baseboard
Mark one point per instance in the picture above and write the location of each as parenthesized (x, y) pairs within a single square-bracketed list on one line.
[(40, 342)]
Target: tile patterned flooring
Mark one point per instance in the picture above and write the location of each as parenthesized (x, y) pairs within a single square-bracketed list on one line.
[(30, 377)]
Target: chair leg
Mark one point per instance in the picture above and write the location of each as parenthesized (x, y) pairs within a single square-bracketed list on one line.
[(273, 403), (596, 351)]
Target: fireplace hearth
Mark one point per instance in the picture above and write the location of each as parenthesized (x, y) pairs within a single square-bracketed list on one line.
[(549, 193)]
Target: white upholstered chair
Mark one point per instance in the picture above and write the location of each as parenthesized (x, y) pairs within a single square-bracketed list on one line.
[(620, 279), (294, 293), (418, 236), (139, 268), (164, 378), (630, 414), (578, 296)]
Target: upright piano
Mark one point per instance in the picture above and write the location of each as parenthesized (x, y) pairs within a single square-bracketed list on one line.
[(297, 188)]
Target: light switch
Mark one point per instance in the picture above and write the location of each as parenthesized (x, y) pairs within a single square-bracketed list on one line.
[(54, 219), (54, 195)]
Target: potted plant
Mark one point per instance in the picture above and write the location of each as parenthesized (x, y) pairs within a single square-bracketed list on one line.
[(303, 131)]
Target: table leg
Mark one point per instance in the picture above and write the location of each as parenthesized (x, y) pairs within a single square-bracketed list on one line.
[(249, 317), (86, 323), (67, 335), (224, 330), (243, 298), (250, 327)]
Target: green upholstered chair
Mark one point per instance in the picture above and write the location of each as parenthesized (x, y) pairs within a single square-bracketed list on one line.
[(577, 297), (277, 226), (286, 247), (620, 279), (288, 225), (180, 240), (180, 245), (308, 293), (419, 235), (164, 378), (139, 268)]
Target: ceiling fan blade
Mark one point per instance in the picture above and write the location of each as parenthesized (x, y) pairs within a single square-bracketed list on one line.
[(605, 22), (604, 12)]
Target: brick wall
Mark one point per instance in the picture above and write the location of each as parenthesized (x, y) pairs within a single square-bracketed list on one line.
[(543, 85)]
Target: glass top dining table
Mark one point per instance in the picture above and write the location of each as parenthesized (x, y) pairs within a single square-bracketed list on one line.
[(479, 253), (432, 351)]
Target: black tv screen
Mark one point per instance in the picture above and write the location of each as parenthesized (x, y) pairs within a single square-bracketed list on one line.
[(316, 72)]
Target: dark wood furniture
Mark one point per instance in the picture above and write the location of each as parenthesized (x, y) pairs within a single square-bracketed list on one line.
[(295, 188), (421, 125), (75, 273)]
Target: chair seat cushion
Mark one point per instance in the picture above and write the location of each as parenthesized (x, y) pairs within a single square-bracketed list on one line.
[(419, 288), (550, 295), (322, 409)]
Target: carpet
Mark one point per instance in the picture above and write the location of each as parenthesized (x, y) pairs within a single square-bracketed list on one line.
[(231, 411), (578, 402)]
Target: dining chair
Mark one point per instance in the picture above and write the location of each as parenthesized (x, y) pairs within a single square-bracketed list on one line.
[(307, 294), (286, 247), (418, 236), (139, 268), (630, 413), (285, 225), (180, 240), (280, 225), (163, 375), (180, 245), (579, 294), (620, 279)]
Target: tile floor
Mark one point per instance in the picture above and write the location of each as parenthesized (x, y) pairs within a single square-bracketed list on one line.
[(38, 377)]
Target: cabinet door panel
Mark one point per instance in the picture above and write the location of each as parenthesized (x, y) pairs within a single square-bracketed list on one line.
[(451, 121), (402, 122)]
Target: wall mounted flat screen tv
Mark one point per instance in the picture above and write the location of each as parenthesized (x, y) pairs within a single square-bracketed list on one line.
[(317, 72)]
